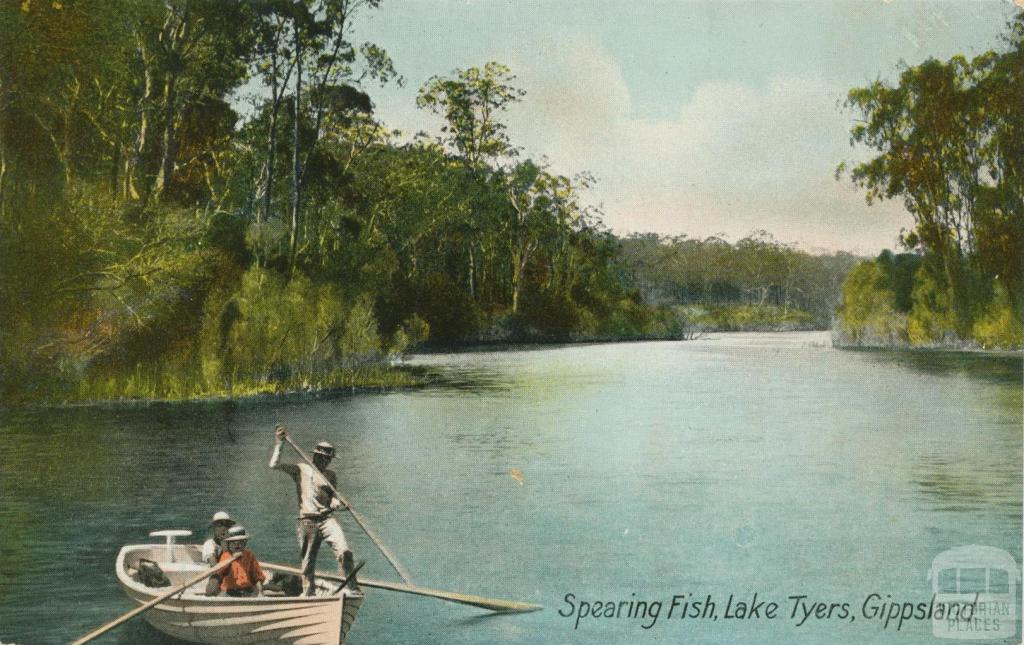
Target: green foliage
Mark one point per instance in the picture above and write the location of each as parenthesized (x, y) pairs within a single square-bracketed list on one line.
[(871, 314), (752, 318), (632, 320), (286, 330), (999, 325), (413, 333), (900, 269), (548, 314), (271, 335), (360, 341), (449, 310), (868, 314), (949, 139), (931, 320), (470, 103)]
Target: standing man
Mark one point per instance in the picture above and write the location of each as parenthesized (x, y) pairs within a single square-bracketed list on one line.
[(317, 502)]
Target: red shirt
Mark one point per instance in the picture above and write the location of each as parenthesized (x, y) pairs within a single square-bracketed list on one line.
[(243, 573)]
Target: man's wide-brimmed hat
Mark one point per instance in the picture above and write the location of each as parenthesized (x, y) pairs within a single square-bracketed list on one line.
[(237, 532), (222, 517), (324, 448)]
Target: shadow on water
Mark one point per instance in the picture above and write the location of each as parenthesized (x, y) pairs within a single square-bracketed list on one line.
[(139, 631), (992, 368), (468, 380), (481, 619)]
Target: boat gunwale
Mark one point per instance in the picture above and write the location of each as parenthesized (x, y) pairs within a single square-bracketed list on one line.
[(192, 597)]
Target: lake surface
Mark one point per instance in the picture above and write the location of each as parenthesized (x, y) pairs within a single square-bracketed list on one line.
[(734, 464)]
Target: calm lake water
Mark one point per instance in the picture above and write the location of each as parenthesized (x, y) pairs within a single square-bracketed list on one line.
[(736, 464)]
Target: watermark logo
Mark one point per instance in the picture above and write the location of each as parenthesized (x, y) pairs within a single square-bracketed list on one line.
[(974, 593)]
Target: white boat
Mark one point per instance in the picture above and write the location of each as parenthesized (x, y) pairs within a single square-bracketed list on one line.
[(322, 619)]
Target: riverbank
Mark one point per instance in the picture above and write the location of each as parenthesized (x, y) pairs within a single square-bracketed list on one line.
[(936, 350), (662, 322), (152, 385), (899, 343), (139, 392)]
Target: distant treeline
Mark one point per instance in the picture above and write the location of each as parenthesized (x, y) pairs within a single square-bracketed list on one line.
[(949, 139), (755, 283), (160, 239)]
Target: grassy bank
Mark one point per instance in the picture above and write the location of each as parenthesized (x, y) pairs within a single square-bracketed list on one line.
[(148, 384), (172, 381)]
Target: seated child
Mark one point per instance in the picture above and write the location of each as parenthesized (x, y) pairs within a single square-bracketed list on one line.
[(244, 577)]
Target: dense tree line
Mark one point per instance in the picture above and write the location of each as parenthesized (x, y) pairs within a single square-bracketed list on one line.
[(713, 280), (160, 238), (949, 139)]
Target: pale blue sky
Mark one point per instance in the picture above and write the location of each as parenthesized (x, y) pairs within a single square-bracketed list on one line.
[(696, 117)]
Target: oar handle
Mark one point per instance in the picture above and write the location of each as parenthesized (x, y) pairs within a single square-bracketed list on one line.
[(99, 631), (356, 516)]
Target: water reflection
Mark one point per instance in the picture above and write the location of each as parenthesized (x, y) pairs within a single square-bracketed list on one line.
[(965, 485), (993, 368), (474, 380)]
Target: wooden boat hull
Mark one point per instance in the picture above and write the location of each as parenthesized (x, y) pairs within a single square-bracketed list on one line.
[(219, 620)]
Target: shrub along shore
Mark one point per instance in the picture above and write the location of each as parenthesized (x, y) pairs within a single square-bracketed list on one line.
[(155, 382)]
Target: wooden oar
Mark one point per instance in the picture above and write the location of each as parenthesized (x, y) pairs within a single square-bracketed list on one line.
[(494, 604), (154, 602), (356, 516)]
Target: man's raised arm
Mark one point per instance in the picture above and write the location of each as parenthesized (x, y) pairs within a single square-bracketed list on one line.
[(275, 459)]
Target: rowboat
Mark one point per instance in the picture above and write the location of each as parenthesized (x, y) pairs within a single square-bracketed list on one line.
[(170, 592), (322, 619)]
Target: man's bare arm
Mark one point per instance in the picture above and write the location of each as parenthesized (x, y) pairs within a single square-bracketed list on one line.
[(275, 459)]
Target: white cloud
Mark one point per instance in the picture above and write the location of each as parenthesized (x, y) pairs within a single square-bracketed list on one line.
[(736, 158), (733, 159), (573, 93)]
